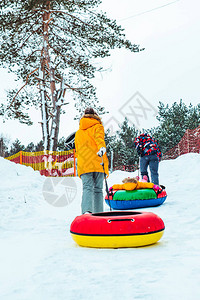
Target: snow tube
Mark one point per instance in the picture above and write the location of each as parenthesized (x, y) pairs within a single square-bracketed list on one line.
[(117, 229), (122, 199)]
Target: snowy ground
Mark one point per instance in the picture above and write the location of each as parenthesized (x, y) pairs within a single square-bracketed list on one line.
[(39, 260)]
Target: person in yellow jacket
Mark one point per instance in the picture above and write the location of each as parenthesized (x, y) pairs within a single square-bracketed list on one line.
[(90, 149)]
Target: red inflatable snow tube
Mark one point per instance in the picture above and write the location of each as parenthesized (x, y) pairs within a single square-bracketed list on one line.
[(117, 229)]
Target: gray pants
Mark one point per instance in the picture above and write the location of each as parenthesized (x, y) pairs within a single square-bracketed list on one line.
[(92, 198)]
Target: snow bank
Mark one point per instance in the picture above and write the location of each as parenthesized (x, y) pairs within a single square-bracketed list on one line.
[(39, 260)]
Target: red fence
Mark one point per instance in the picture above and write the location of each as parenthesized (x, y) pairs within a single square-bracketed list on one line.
[(48, 163), (190, 142)]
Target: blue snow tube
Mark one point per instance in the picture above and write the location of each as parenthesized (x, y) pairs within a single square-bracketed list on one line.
[(122, 199)]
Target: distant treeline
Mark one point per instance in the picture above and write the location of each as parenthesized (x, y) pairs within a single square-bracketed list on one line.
[(173, 122)]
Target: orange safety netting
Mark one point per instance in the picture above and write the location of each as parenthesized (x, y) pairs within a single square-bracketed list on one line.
[(48, 163), (190, 142)]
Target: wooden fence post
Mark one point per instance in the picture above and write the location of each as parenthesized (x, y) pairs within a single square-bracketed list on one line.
[(74, 164), (20, 157)]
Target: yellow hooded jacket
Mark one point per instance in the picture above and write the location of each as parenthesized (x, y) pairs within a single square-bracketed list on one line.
[(129, 186), (88, 140)]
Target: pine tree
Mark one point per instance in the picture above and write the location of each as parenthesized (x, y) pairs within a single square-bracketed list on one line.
[(111, 142), (126, 149), (30, 147), (52, 46), (16, 147), (174, 121), (39, 146), (193, 118), (124, 153), (3, 146), (61, 144)]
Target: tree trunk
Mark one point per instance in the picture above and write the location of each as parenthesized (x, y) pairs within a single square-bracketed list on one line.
[(42, 77), (50, 138), (44, 111), (53, 144), (59, 101)]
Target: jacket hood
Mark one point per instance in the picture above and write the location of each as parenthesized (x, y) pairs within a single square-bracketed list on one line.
[(145, 135), (89, 120)]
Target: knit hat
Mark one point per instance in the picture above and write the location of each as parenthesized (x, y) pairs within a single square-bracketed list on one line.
[(90, 111)]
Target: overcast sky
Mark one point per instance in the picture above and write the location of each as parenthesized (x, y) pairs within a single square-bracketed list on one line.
[(167, 70)]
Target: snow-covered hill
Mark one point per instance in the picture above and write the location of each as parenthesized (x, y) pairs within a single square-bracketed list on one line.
[(39, 260)]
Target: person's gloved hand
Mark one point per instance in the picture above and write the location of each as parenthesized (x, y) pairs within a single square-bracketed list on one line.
[(101, 151), (110, 189), (157, 189)]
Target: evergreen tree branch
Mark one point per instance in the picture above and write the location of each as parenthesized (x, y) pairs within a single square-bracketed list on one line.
[(73, 17), (22, 87), (25, 41), (27, 57)]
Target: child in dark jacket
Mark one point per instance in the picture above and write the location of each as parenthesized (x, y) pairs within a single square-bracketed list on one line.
[(149, 151)]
